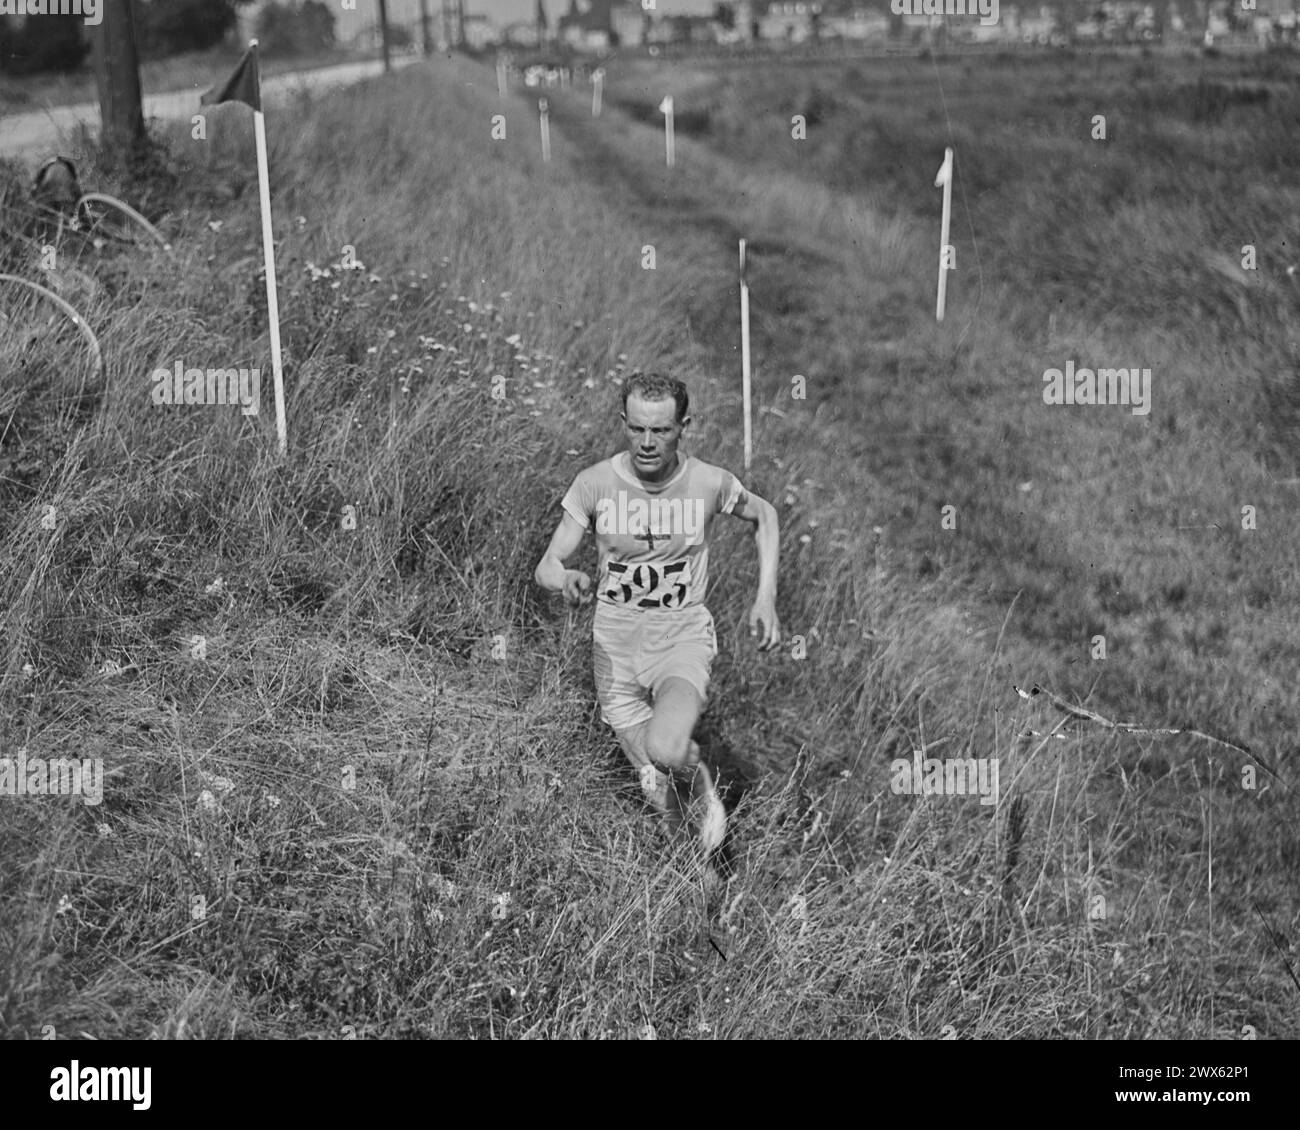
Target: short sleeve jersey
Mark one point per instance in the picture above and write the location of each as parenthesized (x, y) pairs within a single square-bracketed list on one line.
[(652, 538)]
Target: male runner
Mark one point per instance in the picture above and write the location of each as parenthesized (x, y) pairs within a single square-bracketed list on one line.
[(652, 511)]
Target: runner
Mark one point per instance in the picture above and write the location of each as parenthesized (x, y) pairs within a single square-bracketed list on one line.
[(652, 512)]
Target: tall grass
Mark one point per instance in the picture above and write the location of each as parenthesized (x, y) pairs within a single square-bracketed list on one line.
[(357, 781)]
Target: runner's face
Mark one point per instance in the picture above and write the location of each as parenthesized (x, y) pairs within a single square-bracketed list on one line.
[(652, 436)]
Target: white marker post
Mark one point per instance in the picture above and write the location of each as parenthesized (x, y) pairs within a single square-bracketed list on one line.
[(666, 108), (501, 77), (744, 354), (542, 106), (245, 86), (268, 256), (945, 179), (597, 85)]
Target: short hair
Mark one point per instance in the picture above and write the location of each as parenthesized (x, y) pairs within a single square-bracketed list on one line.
[(657, 386)]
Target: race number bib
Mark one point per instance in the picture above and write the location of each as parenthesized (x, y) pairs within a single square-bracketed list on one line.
[(649, 586)]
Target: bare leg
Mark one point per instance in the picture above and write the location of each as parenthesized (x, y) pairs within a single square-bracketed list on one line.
[(655, 783), (668, 743)]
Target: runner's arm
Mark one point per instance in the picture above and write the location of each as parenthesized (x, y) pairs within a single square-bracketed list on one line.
[(751, 508), (565, 541)]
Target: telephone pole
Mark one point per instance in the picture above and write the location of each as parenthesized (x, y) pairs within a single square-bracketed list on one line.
[(117, 78), (424, 28), (383, 33)]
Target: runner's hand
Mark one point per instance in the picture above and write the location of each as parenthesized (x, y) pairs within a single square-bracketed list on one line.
[(764, 614), (577, 587)]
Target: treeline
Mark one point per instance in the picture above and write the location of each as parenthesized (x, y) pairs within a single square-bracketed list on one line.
[(39, 44)]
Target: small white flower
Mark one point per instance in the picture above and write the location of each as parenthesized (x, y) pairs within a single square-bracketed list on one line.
[(104, 830), (647, 1033), (65, 905), (222, 786), (215, 225), (110, 669), (804, 539), (207, 802), (501, 906), (272, 801)]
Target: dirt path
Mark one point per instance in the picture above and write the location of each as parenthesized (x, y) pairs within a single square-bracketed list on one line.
[(39, 132)]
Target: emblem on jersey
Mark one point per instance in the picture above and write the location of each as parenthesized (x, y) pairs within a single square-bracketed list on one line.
[(656, 519)]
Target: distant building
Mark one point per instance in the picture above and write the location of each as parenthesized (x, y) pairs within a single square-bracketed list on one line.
[(628, 22), (1040, 27), (597, 25), (480, 31), (856, 23), (788, 20), (520, 34)]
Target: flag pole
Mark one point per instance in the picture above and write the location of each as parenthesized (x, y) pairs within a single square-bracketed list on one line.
[(944, 178), (268, 255), (666, 108), (744, 353), (597, 82), (543, 107)]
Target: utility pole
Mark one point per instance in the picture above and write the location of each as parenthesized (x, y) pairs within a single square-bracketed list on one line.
[(424, 28), (383, 33), (460, 24), (117, 78)]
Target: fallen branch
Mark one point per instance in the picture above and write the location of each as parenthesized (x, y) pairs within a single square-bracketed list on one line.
[(1087, 715)]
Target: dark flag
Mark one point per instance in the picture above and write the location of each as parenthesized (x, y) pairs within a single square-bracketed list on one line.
[(245, 85)]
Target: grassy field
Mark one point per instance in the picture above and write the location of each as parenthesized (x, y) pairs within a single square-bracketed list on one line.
[(357, 782)]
